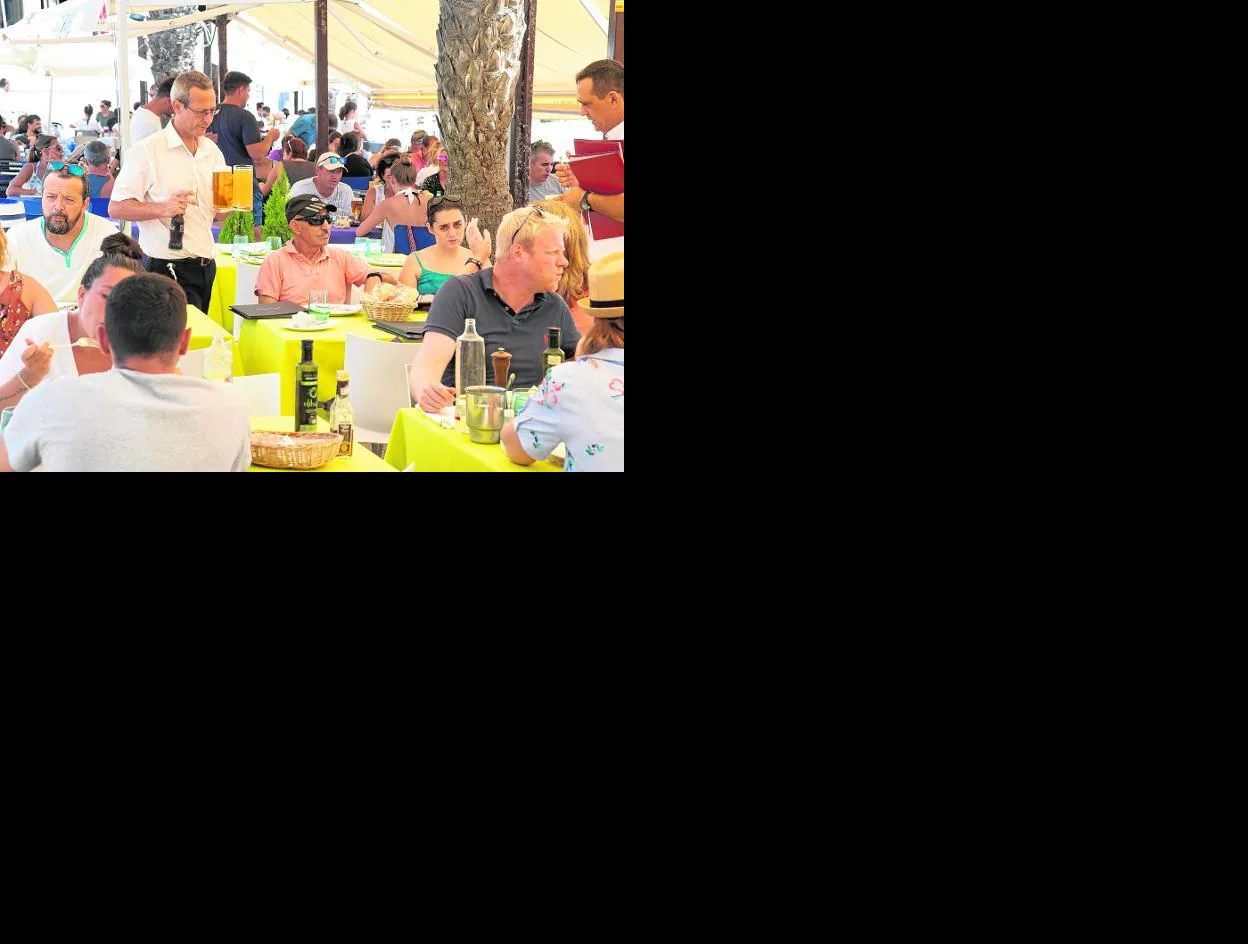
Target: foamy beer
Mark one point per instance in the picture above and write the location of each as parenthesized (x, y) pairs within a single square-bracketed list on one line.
[(242, 186), (223, 189)]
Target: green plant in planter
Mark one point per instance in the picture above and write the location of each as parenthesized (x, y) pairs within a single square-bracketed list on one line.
[(275, 209), (238, 223)]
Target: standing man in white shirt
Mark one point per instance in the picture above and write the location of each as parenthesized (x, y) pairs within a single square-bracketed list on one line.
[(146, 121), (600, 92), (168, 175), (57, 248)]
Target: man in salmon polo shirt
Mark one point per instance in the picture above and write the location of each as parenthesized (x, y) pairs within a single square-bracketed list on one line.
[(308, 262)]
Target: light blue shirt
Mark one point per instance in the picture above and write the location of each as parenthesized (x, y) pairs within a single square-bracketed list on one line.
[(581, 404)]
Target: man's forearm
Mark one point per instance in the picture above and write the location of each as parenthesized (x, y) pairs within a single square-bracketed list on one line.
[(136, 210)]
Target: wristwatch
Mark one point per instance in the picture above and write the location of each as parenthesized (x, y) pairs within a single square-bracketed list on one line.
[(476, 262), (585, 207)]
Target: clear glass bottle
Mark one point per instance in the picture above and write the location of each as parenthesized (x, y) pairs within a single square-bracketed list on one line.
[(469, 358), (342, 414), (552, 356), (306, 381), (218, 364)]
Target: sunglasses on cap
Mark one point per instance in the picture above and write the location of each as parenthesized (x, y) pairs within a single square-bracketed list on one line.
[(74, 169), (334, 161)]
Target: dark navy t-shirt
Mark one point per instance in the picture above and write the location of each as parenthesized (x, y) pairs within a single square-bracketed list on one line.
[(235, 127), (523, 333)]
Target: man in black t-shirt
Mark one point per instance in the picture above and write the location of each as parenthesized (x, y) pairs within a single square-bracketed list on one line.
[(237, 134)]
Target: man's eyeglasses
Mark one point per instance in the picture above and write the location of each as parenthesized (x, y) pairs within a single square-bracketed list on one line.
[(74, 169), (550, 164), (202, 112), (314, 220)]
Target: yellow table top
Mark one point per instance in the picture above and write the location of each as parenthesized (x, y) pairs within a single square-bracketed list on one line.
[(419, 440), (362, 459), (204, 329), (270, 346)]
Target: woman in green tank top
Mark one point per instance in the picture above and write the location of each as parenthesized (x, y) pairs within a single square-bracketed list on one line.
[(429, 268)]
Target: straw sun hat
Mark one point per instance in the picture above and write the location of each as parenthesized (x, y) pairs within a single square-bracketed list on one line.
[(606, 288)]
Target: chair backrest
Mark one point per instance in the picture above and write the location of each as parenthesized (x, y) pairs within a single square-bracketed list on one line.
[(378, 379), (262, 393), (99, 206), (33, 206), (357, 183)]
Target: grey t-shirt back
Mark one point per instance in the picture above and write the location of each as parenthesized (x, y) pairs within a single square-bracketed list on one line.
[(126, 421)]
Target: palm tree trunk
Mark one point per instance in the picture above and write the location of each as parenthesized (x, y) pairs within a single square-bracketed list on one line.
[(172, 51), (479, 46)]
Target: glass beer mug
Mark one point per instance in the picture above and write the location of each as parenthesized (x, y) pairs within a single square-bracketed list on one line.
[(223, 189), (242, 186)]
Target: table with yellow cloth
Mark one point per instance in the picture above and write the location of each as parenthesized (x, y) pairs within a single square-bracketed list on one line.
[(416, 439), (271, 347), (204, 329), (362, 459), (223, 288)]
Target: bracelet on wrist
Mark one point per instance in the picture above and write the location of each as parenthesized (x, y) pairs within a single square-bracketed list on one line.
[(22, 380)]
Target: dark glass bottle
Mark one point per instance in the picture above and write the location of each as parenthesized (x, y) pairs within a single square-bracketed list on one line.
[(177, 226), (306, 380), (552, 356)]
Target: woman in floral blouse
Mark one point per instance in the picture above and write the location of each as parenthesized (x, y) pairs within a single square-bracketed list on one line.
[(581, 403)]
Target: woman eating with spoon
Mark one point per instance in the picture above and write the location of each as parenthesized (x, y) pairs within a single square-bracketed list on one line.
[(71, 335)]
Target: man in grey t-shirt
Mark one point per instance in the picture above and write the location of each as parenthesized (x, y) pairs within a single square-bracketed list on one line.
[(141, 416), (542, 183)]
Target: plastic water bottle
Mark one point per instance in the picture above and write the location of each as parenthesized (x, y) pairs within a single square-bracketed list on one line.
[(218, 364)]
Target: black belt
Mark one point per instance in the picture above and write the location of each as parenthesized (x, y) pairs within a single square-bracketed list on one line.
[(200, 259)]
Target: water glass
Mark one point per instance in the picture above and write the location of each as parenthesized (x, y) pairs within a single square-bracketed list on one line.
[(317, 300), (274, 242), (240, 244), (361, 246), (374, 247)]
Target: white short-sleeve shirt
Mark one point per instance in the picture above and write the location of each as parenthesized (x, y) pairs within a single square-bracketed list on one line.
[(52, 328), (59, 272), (144, 124), (153, 170)]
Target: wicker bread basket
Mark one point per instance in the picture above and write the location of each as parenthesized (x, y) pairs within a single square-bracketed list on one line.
[(387, 311), (280, 450)]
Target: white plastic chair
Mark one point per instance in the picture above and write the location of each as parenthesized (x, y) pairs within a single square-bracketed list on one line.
[(378, 384), (262, 393), (192, 363)]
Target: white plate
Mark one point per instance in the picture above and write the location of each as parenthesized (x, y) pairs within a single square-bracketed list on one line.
[(320, 326)]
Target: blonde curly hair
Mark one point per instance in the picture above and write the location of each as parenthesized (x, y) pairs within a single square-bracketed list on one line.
[(572, 284)]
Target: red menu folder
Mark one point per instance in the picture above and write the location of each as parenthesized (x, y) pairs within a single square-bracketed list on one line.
[(599, 166)]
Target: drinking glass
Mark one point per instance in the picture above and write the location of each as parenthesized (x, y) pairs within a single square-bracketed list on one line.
[(223, 190), (274, 242), (240, 243), (242, 186)]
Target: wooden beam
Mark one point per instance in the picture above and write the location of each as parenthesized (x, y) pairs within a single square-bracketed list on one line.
[(221, 46), (615, 33), (322, 76), (522, 117)]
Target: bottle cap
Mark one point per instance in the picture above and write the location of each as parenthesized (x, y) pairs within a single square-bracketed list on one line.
[(344, 376)]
